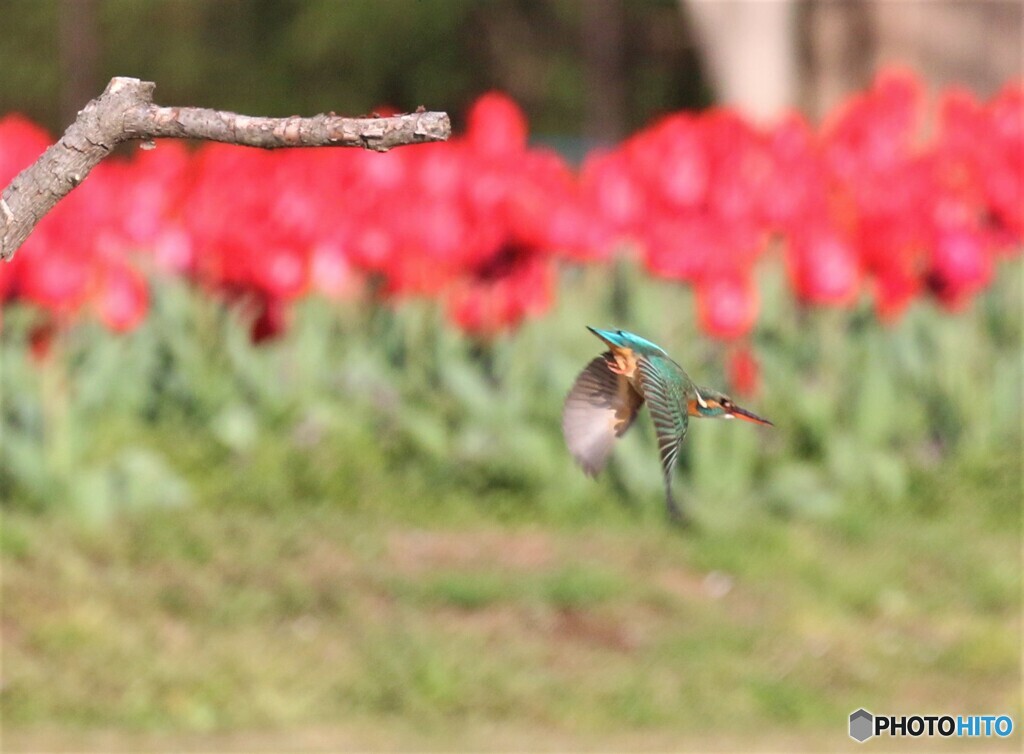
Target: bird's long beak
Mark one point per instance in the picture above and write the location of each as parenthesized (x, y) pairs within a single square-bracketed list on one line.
[(742, 413)]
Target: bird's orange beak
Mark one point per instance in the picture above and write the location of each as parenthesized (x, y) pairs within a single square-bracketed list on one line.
[(742, 413)]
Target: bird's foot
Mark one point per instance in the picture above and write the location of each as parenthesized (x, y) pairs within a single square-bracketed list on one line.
[(682, 521), (614, 368), (679, 518)]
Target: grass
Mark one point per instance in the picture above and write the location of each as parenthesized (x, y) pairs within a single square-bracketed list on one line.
[(368, 536), (194, 621)]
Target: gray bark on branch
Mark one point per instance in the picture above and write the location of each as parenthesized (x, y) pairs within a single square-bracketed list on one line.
[(125, 112)]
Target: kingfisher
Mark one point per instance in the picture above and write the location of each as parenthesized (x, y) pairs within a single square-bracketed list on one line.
[(609, 392)]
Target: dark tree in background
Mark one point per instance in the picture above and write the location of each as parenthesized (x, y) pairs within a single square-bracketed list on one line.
[(79, 47), (601, 68), (281, 57)]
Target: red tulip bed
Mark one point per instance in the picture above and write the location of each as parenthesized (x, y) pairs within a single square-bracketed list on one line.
[(871, 202), (840, 228)]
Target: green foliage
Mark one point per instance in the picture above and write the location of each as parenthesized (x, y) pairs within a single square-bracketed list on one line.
[(368, 406), (192, 621), (372, 523)]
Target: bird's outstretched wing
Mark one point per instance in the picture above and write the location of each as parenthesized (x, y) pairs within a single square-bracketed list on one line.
[(600, 407), (666, 401)]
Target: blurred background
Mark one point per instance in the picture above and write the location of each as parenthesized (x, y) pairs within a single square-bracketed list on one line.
[(280, 449)]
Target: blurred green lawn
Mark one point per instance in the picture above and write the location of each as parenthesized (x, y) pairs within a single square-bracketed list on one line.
[(369, 536), (195, 621)]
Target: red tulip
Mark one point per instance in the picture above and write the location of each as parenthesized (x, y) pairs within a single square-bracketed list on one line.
[(614, 192), (823, 266), (372, 246), (744, 371), (281, 269), (330, 271), (672, 161), (798, 186), (54, 277), (681, 247), (895, 287), (381, 172), (21, 143), (1003, 177), (40, 341), (271, 319), (873, 132), (501, 295), (477, 221), (121, 298), (151, 191), (727, 305), (961, 266), (742, 167), (8, 276), (496, 126)]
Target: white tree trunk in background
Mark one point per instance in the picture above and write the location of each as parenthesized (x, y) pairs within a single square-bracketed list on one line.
[(764, 55), (750, 47)]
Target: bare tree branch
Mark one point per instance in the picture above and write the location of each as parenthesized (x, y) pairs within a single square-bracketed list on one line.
[(125, 112)]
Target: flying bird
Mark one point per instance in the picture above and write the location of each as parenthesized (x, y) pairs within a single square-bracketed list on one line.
[(608, 394)]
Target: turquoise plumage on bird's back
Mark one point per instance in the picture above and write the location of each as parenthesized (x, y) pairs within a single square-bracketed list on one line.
[(665, 388), (626, 350), (624, 339)]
